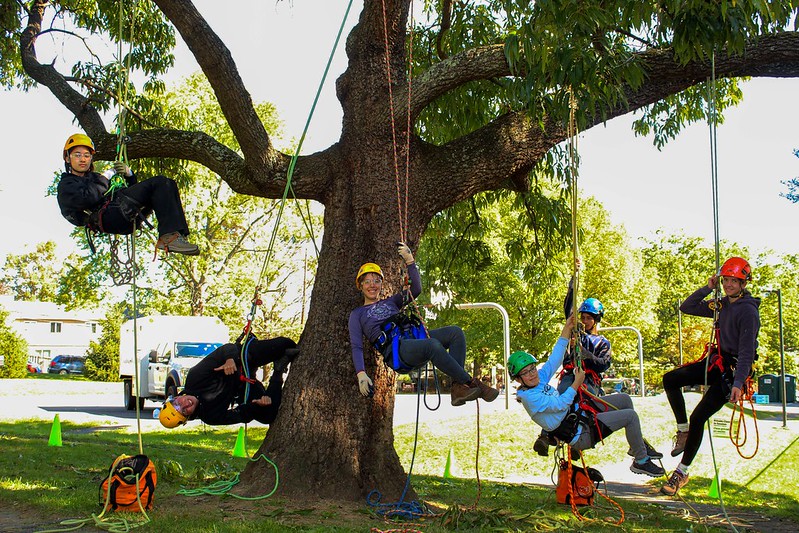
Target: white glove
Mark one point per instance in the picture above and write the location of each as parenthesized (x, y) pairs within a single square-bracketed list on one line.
[(366, 385), (121, 168), (405, 253)]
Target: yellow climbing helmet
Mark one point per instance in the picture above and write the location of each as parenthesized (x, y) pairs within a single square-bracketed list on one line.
[(365, 269), (171, 417), (78, 139)]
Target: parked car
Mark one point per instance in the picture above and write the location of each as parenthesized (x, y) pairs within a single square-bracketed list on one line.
[(67, 364)]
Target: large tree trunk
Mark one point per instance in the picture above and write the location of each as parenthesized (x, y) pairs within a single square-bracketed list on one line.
[(329, 440)]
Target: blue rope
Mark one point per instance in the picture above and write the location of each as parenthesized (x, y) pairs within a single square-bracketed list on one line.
[(401, 509), (245, 353)]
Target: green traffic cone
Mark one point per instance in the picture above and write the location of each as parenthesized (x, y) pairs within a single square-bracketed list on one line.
[(55, 432), (240, 449), (715, 487), (451, 467)]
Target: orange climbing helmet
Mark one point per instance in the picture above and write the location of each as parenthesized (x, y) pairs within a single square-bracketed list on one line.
[(365, 269), (78, 139), (736, 267)]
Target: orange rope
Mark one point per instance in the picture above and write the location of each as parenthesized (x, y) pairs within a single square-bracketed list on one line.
[(575, 511), (403, 224), (737, 440)]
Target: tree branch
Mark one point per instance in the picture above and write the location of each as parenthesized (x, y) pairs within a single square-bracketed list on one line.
[(511, 145), (218, 66), (76, 103)]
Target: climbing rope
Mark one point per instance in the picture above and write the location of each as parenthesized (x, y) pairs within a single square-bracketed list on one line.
[(572, 132), (738, 440), (223, 488), (256, 300), (712, 126), (410, 510), (402, 208)]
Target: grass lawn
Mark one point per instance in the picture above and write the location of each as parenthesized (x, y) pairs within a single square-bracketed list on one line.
[(42, 485)]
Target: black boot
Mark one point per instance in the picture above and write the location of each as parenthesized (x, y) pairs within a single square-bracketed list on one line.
[(541, 445), (281, 365)]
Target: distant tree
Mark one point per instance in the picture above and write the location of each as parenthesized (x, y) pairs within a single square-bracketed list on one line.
[(14, 349), (33, 276), (793, 186), (102, 357)]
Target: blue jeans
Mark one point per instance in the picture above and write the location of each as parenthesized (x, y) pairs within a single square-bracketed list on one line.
[(446, 348)]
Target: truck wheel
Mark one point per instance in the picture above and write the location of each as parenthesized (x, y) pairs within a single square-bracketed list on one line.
[(130, 399), (171, 390)]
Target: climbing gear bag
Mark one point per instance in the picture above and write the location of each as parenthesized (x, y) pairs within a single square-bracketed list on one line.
[(579, 486), (130, 484)]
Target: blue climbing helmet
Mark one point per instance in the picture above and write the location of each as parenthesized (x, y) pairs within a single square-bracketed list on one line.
[(593, 307)]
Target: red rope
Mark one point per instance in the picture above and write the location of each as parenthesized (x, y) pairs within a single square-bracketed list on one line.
[(402, 224)]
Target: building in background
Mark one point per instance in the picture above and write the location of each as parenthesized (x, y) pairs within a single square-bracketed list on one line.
[(50, 330)]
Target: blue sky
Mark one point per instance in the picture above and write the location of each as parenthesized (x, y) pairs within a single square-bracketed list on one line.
[(643, 188)]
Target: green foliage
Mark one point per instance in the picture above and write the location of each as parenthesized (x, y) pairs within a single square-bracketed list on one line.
[(13, 348), (146, 38), (41, 276), (102, 357), (793, 186), (33, 276)]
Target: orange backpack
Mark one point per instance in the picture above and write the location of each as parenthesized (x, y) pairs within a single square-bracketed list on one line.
[(130, 484), (579, 485)]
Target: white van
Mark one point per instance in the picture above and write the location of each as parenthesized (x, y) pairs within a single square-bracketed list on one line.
[(166, 348)]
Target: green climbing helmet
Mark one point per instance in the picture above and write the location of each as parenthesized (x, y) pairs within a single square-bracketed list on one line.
[(518, 360)]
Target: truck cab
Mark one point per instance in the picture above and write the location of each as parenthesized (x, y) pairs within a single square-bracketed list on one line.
[(165, 348)]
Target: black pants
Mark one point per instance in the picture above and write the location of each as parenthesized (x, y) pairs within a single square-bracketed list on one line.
[(157, 195), (713, 400), (260, 353)]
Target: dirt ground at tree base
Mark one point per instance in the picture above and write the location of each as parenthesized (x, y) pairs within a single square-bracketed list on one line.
[(18, 519)]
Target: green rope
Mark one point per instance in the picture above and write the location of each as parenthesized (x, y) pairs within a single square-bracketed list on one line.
[(222, 487), (289, 187)]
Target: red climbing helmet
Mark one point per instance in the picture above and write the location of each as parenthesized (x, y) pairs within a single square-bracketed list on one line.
[(736, 267)]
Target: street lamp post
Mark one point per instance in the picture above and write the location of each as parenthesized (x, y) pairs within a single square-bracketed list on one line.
[(778, 292)]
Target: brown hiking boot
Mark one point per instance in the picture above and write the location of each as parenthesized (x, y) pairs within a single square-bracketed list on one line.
[(679, 443), (677, 481), (463, 392), (487, 393)]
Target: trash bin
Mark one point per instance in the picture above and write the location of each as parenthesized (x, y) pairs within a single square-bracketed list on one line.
[(790, 389), (767, 385)]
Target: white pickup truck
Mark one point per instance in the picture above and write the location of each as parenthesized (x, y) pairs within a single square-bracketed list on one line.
[(166, 348)]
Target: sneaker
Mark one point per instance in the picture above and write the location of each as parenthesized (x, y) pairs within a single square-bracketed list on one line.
[(541, 444), (677, 481), (650, 451), (648, 468), (487, 393), (282, 363), (679, 443), (176, 243), (463, 392)]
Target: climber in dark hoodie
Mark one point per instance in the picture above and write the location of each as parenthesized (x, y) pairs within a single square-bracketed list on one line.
[(219, 391), (728, 366)]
